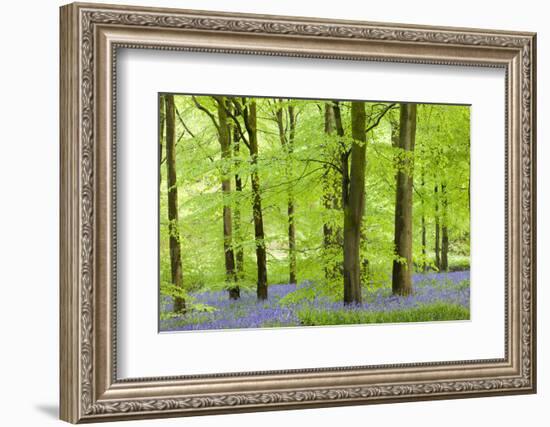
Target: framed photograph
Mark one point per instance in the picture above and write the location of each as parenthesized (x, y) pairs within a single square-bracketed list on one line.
[(266, 212)]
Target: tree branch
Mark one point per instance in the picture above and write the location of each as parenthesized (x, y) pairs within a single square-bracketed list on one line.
[(379, 118), (175, 145), (202, 108), (339, 169), (238, 126), (183, 124)]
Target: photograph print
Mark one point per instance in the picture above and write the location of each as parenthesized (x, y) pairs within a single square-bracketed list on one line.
[(285, 212)]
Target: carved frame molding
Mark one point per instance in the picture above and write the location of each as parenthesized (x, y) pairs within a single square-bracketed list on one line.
[(90, 36)]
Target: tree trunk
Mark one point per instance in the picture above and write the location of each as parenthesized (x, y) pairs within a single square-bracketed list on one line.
[(162, 120), (332, 232), (249, 113), (444, 231), (175, 250), (288, 147), (239, 255), (328, 198), (437, 237), (290, 207), (344, 157), (328, 194), (354, 201), (402, 266), (423, 236), (423, 221), (224, 137)]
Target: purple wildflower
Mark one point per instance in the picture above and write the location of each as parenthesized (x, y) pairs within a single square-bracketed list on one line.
[(246, 312)]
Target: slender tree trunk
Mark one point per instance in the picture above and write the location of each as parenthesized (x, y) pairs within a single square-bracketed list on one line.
[(175, 250), (354, 201), (287, 145), (344, 185), (290, 204), (423, 236), (332, 198), (423, 225), (249, 113), (162, 121), (291, 243), (239, 255), (328, 194), (402, 266), (224, 136), (444, 231), (437, 230)]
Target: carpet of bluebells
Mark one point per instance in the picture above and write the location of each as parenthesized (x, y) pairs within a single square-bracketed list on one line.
[(437, 296)]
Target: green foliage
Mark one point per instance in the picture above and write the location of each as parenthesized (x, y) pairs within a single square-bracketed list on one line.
[(441, 157), (310, 316), (172, 291), (326, 290), (459, 263)]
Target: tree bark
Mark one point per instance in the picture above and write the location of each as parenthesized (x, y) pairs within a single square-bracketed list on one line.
[(173, 221), (290, 207), (344, 157), (402, 266), (423, 223), (437, 230), (224, 137), (332, 232), (162, 120), (249, 114), (239, 255), (423, 237), (354, 201), (287, 145), (444, 231)]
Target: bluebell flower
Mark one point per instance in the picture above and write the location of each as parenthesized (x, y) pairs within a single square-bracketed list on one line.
[(246, 312)]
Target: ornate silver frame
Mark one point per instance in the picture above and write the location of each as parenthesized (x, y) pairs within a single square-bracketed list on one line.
[(90, 35)]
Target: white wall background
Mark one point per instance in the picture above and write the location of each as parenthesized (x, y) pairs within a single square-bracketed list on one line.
[(29, 170)]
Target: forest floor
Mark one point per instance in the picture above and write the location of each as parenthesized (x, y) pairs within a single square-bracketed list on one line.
[(436, 297)]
